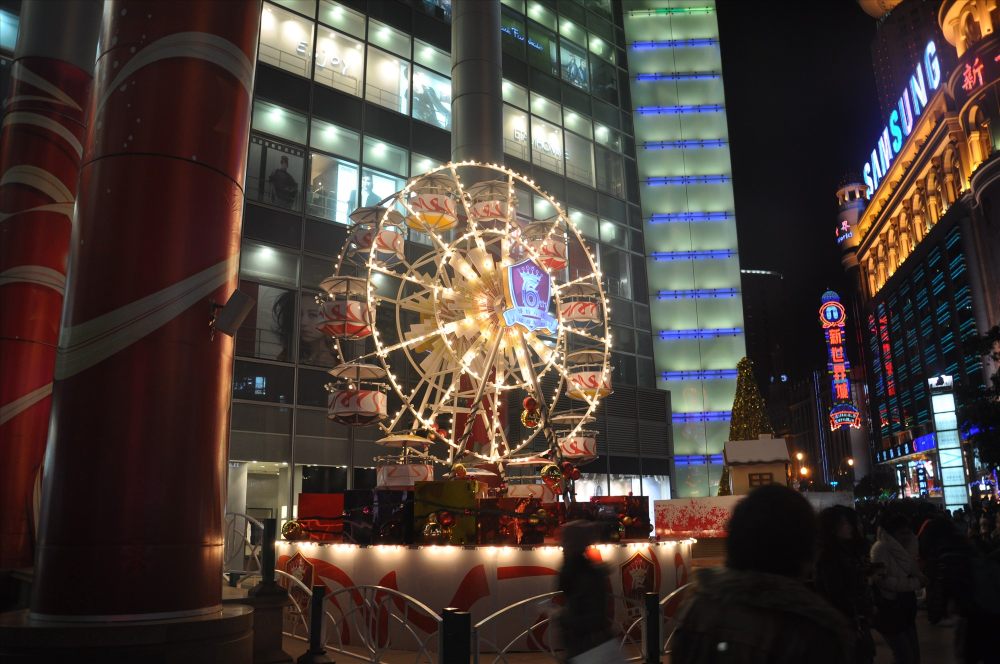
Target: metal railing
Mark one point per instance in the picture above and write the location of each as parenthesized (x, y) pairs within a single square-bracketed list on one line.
[(242, 543), (668, 608)]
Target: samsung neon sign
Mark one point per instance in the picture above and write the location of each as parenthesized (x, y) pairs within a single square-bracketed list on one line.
[(924, 81)]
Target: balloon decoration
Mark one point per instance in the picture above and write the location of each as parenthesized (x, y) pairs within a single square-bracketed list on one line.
[(293, 530), (552, 477)]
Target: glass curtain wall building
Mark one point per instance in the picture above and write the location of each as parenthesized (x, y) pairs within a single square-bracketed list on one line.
[(689, 226), (352, 98)]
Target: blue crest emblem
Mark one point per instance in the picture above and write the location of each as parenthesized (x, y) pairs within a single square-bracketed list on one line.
[(527, 291)]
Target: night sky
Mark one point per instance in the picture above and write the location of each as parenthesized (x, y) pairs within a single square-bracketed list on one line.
[(800, 98)]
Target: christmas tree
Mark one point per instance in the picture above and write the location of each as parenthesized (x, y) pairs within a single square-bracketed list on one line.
[(749, 418)]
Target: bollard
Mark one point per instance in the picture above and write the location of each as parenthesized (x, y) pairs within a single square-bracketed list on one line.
[(651, 629), (316, 653), (456, 636), (268, 538)]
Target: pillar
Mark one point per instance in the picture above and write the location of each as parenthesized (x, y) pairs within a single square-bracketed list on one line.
[(41, 146), (140, 383), (476, 81)]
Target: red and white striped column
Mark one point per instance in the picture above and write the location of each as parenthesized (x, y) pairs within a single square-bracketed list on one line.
[(41, 148), (135, 470)]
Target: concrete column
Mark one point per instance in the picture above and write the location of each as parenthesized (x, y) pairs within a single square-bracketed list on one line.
[(41, 147), (140, 381), (476, 81)]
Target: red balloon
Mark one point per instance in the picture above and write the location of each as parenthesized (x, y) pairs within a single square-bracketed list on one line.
[(530, 403)]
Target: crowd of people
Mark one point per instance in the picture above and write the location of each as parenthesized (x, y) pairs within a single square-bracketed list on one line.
[(801, 587)]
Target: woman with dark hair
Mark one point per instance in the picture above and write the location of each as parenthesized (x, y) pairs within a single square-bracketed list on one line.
[(896, 584), (841, 570), (314, 346), (758, 609), (960, 577)]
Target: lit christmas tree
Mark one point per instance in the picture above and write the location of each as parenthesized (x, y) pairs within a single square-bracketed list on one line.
[(749, 418)]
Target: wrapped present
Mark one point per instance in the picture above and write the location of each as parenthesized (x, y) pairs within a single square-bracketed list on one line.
[(320, 516), (627, 517), (359, 518), (393, 517), (513, 521), (444, 511)]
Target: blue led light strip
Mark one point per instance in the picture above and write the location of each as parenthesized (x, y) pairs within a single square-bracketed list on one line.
[(704, 416), (696, 459), (680, 110), (705, 293), (701, 333), (684, 145), (674, 43), (708, 254), (681, 180), (679, 76), (700, 374), (681, 217)]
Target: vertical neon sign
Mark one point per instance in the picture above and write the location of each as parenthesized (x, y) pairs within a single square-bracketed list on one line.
[(833, 317)]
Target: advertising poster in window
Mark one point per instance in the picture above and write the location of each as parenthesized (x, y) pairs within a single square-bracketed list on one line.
[(332, 188), (432, 98), (377, 186), (574, 66), (274, 173), (297, 311)]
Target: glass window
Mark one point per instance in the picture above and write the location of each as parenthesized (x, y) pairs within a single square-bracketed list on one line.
[(585, 222), (376, 186), (432, 98), (604, 79), (615, 267), (388, 80), (286, 40), (541, 14), (335, 139), (546, 145), (545, 108), (579, 159), (572, 31), (581, 124), (543, 50), (342, 18), (385, 156), (524, 203), (515, 132), (260, 335), (573, 60), (608, 137), (609, 171), (579, 264), (312, 390), (315, 347), (339, 61), (333, 188), (421, 164), (314, 271), (281, 122), (602, 7), (307, 7), (256, 381), (274, 171), (517, 5), (512, 33), (602, 49), (612, 233), (391, 39), (515, 94), (432, 58), (623, 338), (440, 9), (264, 263), (542, 208), (9, 24)]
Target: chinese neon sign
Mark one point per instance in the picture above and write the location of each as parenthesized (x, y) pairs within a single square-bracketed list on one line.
[(844, 231), (924, 81), (833, 318)]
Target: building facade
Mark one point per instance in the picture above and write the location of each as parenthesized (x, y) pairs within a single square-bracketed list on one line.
[(689, 226), (925, 249), (352, 98)]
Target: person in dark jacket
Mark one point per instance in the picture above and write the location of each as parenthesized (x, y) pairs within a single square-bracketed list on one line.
[(842, 575), (757, 609), (584, 622), (896, 585)]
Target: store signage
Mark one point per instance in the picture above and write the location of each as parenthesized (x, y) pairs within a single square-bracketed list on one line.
[(539, 144), (833, 318), (333, 61), (924, 81), (528, 297), (924, 443), (844, 231), (512, 31)]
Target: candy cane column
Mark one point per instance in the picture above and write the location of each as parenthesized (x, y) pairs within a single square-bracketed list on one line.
[(134, 471), (41, 147)]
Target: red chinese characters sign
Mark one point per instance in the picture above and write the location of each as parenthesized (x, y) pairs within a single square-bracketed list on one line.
[(833, 317)]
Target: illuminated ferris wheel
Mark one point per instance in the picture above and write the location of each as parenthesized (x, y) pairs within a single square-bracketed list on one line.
[(480, 306)]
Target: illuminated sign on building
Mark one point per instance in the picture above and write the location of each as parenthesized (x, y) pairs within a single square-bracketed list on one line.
[(924, 81), (833, 318), (924, 443), (844, 231)]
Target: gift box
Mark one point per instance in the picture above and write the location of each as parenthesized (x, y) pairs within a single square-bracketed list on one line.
[(321, 516), (444, 511), (359, 518), (627, 517), (393, 517), (513, 521)]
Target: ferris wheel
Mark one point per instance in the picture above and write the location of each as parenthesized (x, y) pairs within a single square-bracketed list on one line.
[(448, 304)]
